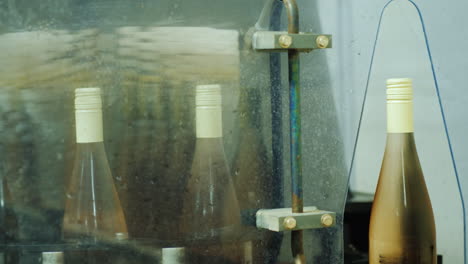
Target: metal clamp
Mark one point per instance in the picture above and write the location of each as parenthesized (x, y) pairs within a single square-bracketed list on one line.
[(295, 218), (283, 219), (284, 41)]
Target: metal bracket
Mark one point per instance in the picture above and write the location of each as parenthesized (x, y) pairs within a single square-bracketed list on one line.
[(284, 41), (283, 219)]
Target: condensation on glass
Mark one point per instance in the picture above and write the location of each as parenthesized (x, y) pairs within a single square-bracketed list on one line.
[(148, 57)]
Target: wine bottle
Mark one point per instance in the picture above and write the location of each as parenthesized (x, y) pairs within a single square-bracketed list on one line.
[(402, 228), (173, 256), (92, 211), (8, 223), (210, 215), (52, 258)]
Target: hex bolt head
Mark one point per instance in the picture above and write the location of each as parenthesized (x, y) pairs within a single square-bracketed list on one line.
[(327, 220), (290, 223), (285, 41), (322, 41)]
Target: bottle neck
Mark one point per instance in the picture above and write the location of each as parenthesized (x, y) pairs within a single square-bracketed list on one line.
[(210, 146), (400, 117), (401, 156), (89, 126), (209, 122), (398, 141), (91, 151), (91, 147)]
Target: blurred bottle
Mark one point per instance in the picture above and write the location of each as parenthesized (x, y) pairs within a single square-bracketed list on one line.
[(52, 258), (126, 122), (173, 256), (92, 210), (402, 228), (252, 175), (210, 215), (179, 151), (8, 224)]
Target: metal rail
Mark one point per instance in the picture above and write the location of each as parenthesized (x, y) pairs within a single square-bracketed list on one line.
[(297, 244)]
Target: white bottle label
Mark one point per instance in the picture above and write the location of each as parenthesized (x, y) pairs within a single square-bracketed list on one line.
[(173, 255), (400, 117), (400, 105), (89, 126), (209, 122)]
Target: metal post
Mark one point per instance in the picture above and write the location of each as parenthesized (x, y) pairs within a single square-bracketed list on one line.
[(297, 246)]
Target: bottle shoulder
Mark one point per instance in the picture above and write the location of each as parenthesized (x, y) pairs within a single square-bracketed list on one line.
[(401, 190), (210, 201)]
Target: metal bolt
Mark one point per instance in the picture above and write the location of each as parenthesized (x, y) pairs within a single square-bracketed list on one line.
[(290, 222), (322, 41), (285, 41), (327, 220)]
